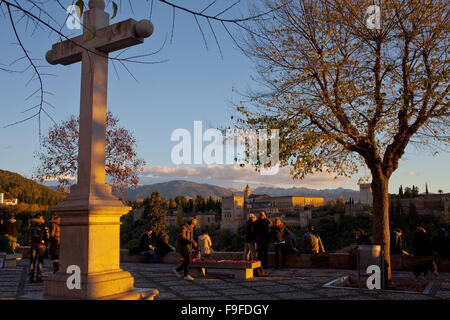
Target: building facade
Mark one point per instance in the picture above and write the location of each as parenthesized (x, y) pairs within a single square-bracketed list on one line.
[(8, 202), (365, 193), (236, 208)]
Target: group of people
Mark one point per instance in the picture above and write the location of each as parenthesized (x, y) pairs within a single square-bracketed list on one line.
[(42, 239), (422, 243), (258, 233)]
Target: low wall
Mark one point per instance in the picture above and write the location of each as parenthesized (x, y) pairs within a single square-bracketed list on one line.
[(325, 261)]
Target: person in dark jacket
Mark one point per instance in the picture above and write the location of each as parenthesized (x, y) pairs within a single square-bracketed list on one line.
[(397, 242), (262, 226), (250, 238), (278, 232), (146, 250), (361, 239), (38, 242), (12, 231), (421, 243), (291, 242), (441, 244), (2, 226), (185, 242), (55, 241), (160, 239)]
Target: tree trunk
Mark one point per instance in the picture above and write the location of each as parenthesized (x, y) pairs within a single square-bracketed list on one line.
[(381, 232)]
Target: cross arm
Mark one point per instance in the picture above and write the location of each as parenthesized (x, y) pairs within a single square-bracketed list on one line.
[(115, 37)]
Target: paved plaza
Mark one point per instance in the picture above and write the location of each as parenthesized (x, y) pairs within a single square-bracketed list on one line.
[(289, 283)]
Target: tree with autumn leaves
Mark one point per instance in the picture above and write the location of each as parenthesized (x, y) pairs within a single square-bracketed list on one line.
[(344, 95), (59, 155)]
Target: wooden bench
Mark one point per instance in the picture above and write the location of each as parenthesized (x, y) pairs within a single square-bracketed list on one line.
[(242, 269)]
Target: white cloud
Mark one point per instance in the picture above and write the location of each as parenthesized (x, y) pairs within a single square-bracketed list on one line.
[(235, 173), (413, 174)]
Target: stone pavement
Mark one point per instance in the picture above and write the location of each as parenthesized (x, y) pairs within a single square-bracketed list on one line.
[(281, 284)]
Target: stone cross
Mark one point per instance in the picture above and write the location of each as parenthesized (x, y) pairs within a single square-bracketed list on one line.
[(90, 214)]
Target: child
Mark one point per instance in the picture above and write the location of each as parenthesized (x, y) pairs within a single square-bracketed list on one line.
[(204, 244)]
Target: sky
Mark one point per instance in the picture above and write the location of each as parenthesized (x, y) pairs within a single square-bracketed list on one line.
[(188, 82)]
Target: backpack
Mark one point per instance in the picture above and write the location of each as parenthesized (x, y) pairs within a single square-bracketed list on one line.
[(36, 234)]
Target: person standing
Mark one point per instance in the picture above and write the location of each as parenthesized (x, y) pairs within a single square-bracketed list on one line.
[(38, 243), (185, 242), (312, 243), (12, 231), (361, 239), (262, 226), (421, 243), (55, 241), (278, 233), (397, 242), (250, 238)]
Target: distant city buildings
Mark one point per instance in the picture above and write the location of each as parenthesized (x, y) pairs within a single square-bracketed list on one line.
[(204, 218), (293, 209), (8, 202)]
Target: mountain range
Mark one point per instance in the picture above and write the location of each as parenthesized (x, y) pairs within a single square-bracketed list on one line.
[(174, 188)]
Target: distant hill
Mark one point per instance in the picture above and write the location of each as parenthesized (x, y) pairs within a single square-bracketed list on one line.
[(13, 185), (171, 189), (327, 194)]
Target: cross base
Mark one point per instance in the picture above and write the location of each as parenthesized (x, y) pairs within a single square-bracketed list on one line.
[(90, 229), (135, 294)]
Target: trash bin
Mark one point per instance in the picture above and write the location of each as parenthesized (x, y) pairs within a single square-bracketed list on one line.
[(370, 255)]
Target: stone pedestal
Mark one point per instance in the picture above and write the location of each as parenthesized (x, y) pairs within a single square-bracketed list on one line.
[(90, 228)]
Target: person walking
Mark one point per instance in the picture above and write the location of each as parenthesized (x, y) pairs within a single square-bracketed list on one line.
[(278, 233), (205, 244), (38, 242), (185, 242), (250, 238), (55, 241), (12, 231), (262, 226), (312, 243)]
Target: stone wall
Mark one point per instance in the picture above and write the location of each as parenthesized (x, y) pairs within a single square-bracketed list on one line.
[(325, 261)]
